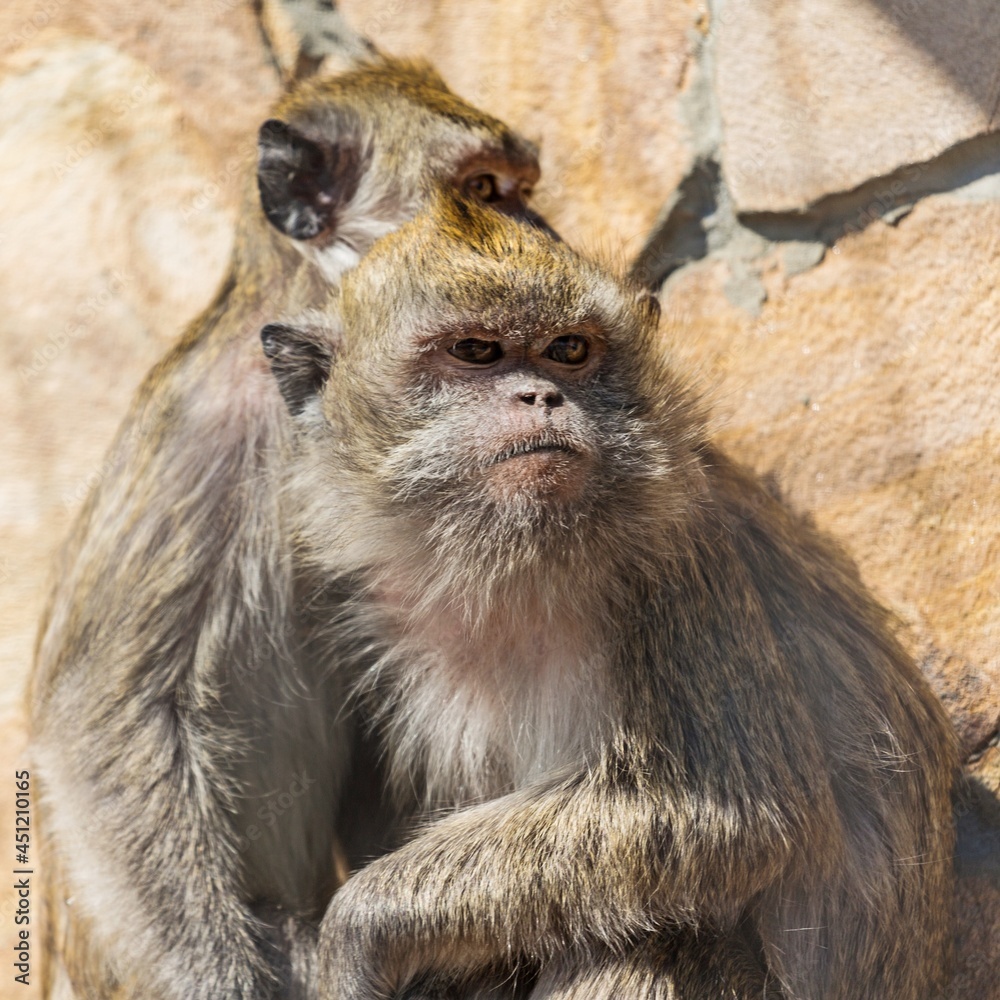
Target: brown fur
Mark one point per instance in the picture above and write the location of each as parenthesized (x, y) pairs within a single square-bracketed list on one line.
[(663, 740), (173, 703)]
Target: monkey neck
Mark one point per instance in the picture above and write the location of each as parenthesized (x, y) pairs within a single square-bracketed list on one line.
[(480, 580), (489, 678), (489, 626), (264, 262), (477, 702)]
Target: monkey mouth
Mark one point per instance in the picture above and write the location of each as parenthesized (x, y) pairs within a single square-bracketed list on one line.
[(539, 447), (547, 469)]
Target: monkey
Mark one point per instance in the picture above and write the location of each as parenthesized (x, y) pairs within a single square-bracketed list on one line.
[(661, 741), (193, 760)]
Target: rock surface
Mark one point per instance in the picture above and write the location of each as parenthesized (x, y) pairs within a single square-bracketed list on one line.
[(821, 97), (819, 184)]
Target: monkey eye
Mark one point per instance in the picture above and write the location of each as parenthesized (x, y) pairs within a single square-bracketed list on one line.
[(476, 352), (569, 350), (483, 186)]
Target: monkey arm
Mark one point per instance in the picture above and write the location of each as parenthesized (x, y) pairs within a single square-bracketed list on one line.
[(162, 654), (536, 873), (140, 832)]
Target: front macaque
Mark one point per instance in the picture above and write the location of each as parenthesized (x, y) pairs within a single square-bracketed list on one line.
[(664, 748)]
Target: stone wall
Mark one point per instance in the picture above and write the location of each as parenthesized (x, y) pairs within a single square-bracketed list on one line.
[(815, 185)]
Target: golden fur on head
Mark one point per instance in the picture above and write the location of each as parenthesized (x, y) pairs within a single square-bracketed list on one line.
[(402, 87), (404, 445), (400, 134)]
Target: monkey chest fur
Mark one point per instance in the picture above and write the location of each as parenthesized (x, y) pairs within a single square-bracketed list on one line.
[(471, 709)]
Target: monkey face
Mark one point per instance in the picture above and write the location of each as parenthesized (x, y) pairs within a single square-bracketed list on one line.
[(505, 182), (511, 423), (352, 157), (477, 379)]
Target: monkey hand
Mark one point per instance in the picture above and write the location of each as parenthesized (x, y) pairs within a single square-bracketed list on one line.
[(355, 958), (498, 880), (376, 941)]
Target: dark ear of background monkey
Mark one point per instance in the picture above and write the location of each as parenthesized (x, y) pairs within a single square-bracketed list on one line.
[(192, 754), (662, 739)]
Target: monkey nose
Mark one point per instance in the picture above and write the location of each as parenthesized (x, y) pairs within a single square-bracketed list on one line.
[(547, 398)]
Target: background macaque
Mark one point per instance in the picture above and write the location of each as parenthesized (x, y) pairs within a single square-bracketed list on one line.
[(174, 701), (663, 739)]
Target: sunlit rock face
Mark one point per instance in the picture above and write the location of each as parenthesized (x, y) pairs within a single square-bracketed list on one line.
[(813, 188)]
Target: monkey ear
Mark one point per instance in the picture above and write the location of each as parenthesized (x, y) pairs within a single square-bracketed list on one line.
[(302, 183), (300, 363), (651, 304)]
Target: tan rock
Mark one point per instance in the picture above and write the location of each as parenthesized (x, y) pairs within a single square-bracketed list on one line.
[(819, 97), (867, 388), (867, 385), (209, 56)]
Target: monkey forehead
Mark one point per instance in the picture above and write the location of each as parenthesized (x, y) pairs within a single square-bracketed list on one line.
[(458, 261), (398, 97)]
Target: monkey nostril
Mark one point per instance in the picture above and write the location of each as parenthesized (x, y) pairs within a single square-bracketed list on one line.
[(549, 399)]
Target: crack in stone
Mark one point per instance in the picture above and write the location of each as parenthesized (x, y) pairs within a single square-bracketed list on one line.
[(266, 40), (990, 740), (887, 197), (681, 233), (699, 219)]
